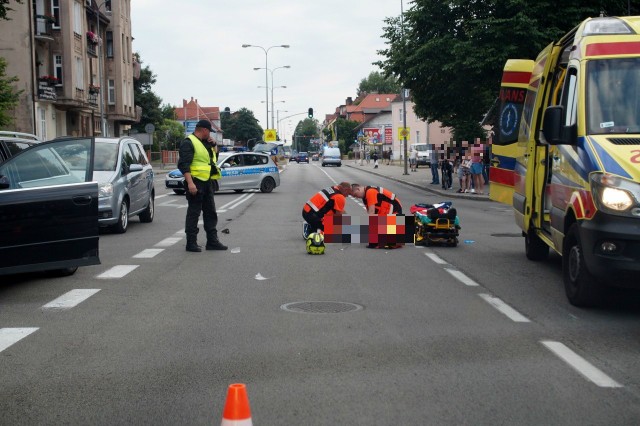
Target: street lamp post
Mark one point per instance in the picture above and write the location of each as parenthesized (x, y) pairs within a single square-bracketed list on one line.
[(273, 123), (103, 127), (266, 74), (404, 102)]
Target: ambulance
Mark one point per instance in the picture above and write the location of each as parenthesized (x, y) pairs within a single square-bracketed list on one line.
[(567, 155)]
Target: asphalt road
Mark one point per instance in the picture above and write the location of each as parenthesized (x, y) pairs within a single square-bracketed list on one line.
[(469, 335)]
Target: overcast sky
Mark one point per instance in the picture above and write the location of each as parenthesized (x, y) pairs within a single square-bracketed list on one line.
[(195, 49)]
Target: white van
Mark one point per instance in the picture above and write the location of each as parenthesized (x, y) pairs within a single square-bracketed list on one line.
[(331, 156), (424, 153)]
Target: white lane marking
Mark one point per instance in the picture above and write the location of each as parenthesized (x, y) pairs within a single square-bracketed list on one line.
[(235, 250), (259, 277), (504, 308), (71, 298), (148, 253), (462, 277), (161, 196), (9, 336), (235, 200), (325, 172), (581, 365), (436, 258), (117, 271), (220, 211), (240, 202), (168, 242)]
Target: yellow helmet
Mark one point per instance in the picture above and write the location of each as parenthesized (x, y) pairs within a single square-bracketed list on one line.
[(315, 243)]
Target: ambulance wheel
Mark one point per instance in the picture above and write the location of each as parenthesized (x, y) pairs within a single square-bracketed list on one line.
[(535, 248), (581, 287), (267, 185)]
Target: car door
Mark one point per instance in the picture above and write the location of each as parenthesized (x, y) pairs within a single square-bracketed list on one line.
[(49, 207), (145, 184), (134, 176), (231, 169)]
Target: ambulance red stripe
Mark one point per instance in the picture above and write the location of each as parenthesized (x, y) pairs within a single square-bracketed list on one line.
[(516, 77), (618, 48)]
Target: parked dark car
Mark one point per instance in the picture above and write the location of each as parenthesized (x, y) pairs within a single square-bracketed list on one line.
[(12, 143), (303, 157), (49, 208)]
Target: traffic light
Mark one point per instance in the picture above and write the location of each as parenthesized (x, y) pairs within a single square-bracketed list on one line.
[(310, 112)]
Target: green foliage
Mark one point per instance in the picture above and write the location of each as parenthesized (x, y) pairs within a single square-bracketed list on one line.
[(376, 82), (452, 52), (346, 131), (306, 130), (144, 97), (4, 8), (169, 134), (241, 126), (9, 97)]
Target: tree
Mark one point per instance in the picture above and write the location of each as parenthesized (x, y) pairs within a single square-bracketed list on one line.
[(376, 82), (452, 52), (9, 97), (4, 8), (144, 97), (306, 130), (241, 126), (346, 132), (169, 134)]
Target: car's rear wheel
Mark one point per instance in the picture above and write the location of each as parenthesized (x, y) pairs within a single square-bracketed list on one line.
[(147, 214), (179, 191), (267, 185), (123, 219)]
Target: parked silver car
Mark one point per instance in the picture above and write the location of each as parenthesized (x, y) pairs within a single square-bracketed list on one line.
[(125, 179), (240, 171)]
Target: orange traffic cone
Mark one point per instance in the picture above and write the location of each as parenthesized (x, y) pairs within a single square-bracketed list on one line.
[(236, 408)]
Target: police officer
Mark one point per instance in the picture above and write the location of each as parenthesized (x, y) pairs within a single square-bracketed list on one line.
[(197, 163)]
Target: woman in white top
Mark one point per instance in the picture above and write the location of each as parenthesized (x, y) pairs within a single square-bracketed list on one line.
[(413, 159)]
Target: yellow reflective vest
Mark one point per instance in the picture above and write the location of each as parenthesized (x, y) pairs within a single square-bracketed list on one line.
[(201, 164)]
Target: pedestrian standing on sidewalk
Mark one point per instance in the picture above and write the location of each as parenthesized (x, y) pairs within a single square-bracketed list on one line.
[(413, 159), (447, 173), (375, 159), (476, 173), (390, 156), (433, 158), (197, 162), (465, 180)]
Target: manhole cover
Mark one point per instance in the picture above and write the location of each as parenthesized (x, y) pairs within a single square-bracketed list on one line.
[(320, 307), (506, 235)]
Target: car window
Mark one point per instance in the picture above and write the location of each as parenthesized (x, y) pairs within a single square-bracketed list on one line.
[(251, 160), (127, 156), (106, 157), (16, 147), (234, 161), (48, 164), (135, 148)]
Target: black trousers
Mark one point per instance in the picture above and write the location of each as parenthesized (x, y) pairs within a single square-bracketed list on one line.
[(201, 202), (313, 219)]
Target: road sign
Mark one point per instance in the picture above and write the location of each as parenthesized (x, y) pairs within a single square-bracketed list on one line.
[(149, 128), (404, 132), (270, 135)]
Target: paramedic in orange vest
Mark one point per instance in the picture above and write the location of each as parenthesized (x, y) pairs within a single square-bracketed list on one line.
[(197, 163), (328, 201), (377, 200)]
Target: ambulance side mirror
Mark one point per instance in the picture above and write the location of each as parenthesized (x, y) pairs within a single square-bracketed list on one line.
[(552, 125), (554, 130)]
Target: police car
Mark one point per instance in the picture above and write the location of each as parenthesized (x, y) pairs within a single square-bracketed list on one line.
[(240, 171)]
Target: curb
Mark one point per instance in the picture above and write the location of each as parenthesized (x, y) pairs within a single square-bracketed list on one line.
[(452, 194)]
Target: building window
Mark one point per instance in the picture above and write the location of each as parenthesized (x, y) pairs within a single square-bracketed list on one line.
[(77, 18), (400, 115), (107, 5), (109, 44), (57, 68), (417, 136), (55, 11), (42, 121), (128, 51), (111, 93), (79, 73), (124, 50)]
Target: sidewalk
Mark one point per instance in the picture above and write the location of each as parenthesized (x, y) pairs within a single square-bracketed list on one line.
[(420, 179)]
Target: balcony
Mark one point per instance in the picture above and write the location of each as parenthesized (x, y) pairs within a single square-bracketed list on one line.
[(93, 98), (42, 27), (46, 92), (91, 50)]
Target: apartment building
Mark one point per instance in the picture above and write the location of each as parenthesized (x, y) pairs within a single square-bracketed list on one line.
[(75, 64)]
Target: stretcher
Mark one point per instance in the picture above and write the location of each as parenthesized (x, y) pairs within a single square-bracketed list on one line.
[(436, 225)]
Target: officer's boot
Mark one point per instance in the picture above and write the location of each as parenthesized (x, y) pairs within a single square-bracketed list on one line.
[(213, 243), (192, 244)]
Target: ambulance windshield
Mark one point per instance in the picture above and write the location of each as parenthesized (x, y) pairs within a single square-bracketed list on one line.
[(613, 96)]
